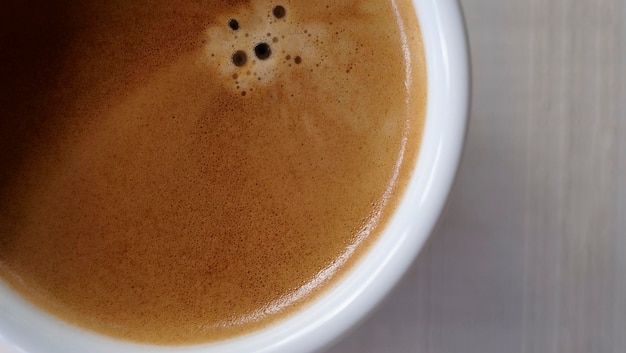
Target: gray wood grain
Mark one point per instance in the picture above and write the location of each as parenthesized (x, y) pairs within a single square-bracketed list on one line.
[(530, 255)]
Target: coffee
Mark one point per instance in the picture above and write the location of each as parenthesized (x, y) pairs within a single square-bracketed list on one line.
[(179, 172)]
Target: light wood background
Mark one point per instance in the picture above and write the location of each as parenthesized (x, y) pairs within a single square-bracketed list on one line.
[(530, 256)]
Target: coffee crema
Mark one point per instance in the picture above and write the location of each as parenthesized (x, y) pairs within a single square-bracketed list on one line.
[(176, 172)]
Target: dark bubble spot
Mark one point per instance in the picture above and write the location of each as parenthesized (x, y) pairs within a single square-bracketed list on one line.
[(262, 51), (297, 59), (279, 12), (233, 24), (239, 58)]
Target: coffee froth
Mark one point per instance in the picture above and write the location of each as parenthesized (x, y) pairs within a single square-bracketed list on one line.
[(180, 172)]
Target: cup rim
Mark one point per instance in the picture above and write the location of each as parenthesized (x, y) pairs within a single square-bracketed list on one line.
[(341, 307)]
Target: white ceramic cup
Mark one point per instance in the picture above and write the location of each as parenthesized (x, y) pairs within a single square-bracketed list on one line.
[(25, 329)]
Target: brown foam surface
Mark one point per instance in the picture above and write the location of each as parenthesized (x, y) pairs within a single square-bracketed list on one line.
[(152, 190)]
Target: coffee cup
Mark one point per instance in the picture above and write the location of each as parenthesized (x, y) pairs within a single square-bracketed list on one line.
[(25, 328)]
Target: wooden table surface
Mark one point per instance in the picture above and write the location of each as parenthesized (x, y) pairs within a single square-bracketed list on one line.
[(530, 256)]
